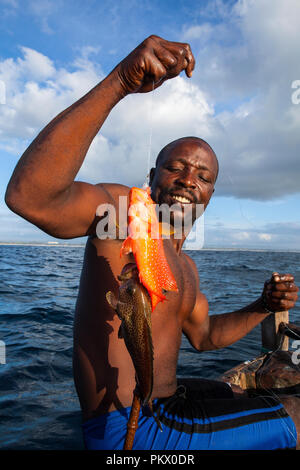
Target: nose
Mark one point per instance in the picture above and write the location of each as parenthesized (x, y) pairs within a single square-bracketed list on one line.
[(186, 179)]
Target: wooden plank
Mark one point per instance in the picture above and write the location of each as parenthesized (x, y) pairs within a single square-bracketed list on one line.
[(244, 375), (269, 331)]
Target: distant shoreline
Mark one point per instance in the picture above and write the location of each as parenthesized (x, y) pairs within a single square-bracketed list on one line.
[(51, 245), (82, 245)]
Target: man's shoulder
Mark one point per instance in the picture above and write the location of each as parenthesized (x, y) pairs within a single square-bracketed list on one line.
[(114, 190), (190, 261), (116, 187)]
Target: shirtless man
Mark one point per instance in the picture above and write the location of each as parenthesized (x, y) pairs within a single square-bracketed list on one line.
[(42, 190)]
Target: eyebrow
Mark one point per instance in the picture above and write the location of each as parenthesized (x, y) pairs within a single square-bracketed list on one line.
[(199, 167)]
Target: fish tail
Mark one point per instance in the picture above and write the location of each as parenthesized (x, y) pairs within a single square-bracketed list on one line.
[(147, 405), (156, 418)]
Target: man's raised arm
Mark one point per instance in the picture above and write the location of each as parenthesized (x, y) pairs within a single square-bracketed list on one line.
[(42, 188)]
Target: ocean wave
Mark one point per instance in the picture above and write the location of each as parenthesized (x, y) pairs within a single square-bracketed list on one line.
[(38, 401)]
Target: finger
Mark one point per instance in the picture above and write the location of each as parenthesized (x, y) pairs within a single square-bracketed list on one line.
[(166, 58), (184, 55), (155, 70), (284, 286), (282, 304), (276, 277), (284, 295), (267, 285), (191, 62)]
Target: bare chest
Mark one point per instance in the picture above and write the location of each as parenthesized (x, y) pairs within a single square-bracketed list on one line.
[(182, 302), (103, 264)]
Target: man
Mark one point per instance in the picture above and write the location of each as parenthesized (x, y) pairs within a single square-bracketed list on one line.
[(43, 191)]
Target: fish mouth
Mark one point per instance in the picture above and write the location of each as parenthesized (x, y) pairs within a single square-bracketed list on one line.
[(128, 272)]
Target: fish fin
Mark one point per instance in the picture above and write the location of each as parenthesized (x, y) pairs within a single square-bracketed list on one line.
[(170, 285), (155, 299), (111, 299), (167, 280), (126, 247)]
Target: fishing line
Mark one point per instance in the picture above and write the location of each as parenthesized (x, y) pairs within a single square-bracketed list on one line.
[(147, 180), (280, 417)]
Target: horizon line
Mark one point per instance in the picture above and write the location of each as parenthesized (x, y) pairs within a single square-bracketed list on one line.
[(208, 248)]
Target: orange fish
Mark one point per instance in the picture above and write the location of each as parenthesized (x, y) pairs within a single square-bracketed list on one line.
[(145, 242)]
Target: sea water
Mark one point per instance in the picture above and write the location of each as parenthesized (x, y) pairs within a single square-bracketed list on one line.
[(39, 408)]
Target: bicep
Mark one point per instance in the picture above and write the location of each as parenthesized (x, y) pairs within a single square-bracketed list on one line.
[(196, 326), (74, 213)]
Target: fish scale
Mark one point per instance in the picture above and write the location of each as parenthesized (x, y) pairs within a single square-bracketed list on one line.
[(134, 310)]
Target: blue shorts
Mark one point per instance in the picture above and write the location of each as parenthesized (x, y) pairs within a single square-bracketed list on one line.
[(191, 421)]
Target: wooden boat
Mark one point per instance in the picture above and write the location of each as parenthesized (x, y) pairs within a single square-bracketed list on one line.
[(277, 369)]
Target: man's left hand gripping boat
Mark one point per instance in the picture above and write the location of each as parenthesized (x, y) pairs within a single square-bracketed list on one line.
[(141, 289)]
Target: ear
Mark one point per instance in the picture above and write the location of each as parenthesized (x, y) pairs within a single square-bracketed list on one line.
[(151, 177)]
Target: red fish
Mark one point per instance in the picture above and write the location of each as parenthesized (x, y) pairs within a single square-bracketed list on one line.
[(145, 242)]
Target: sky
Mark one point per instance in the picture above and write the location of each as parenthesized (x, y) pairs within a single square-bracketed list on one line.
[(243, 99)]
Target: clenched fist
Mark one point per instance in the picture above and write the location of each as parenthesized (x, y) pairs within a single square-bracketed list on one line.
[(280, 292), (153, 62)]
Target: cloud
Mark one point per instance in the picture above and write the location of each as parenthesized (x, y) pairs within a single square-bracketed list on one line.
[(284, 236), (15, 229), (203, 32), (265, 236), (246, 67), (239, 100), (140, 126), (36, 91), (241, 235)]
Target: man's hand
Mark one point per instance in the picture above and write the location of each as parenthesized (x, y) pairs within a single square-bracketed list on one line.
[(280, 292), (154, 61)]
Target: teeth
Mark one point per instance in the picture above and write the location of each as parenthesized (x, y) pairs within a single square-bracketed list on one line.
[(182, 199)]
